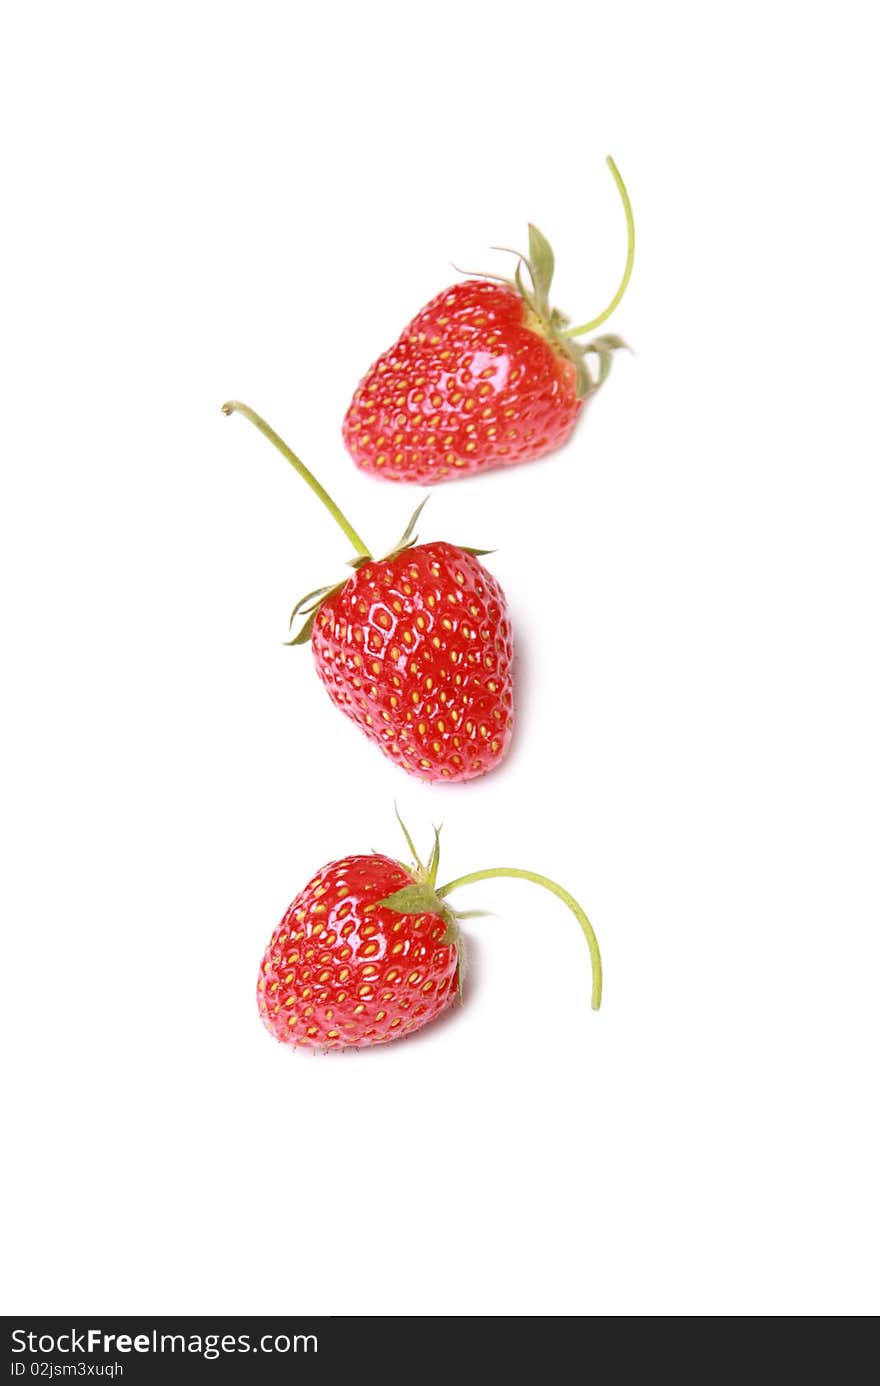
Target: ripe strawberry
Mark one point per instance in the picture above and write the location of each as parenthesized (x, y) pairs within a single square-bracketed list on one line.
[(415, 648), (487, 375), (344, 969), (370, 951)]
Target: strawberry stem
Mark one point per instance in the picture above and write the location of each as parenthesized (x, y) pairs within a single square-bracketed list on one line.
[(630, 256), (234, 406), (563, 895)]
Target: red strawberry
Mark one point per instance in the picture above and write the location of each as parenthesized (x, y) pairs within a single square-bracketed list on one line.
[(370, 951), (343, 969), (487, 375), (416, 648)]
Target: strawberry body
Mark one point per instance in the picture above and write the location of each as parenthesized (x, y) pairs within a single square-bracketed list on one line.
[(473, 383), (417, 650), (342, 970)]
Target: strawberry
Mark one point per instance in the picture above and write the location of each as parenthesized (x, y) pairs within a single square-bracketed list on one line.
[(487, 375), (344, 969), (415, 648), (370, 950)]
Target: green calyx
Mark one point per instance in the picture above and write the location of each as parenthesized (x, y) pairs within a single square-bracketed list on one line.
[(424, 897), (309, 605), (591, 360), (421, 897)]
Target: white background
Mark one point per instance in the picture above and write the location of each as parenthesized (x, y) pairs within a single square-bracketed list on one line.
[(205, 201)]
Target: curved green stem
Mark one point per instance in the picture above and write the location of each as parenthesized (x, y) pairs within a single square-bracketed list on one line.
[(234, 406), (563, 895), (630, 256)]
